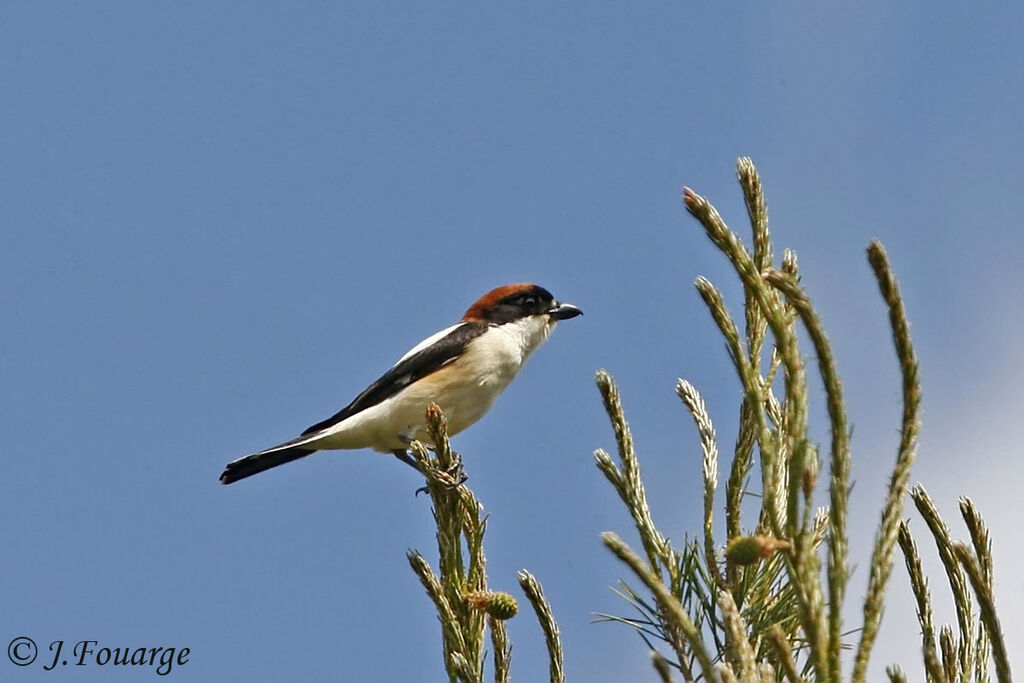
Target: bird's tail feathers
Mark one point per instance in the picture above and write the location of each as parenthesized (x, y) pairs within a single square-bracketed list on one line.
[(264, 460)]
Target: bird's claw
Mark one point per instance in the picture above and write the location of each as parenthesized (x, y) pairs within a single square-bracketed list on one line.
[(456, 471), (457, 474)]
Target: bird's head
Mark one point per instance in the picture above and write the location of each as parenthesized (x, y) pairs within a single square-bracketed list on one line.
[(519, 302)]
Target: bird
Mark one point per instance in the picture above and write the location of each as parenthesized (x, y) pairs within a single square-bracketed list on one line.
[(463, 369)]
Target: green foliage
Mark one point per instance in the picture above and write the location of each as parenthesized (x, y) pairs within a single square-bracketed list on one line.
[(765, 605), (466, 607)]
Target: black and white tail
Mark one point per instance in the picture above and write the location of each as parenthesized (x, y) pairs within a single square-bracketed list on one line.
[(264, 460)]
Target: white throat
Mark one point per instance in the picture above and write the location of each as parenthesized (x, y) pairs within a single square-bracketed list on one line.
[(529, 332)]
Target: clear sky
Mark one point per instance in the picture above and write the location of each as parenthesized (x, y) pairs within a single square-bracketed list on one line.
[(220, 224)]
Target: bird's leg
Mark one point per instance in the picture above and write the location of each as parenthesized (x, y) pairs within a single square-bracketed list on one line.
[(455, 471), (404, 456)]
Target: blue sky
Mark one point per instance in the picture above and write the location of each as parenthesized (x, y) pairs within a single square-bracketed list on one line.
[(219, 226)]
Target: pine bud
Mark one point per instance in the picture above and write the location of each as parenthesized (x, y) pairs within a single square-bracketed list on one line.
[(497, 604), (745, 550)]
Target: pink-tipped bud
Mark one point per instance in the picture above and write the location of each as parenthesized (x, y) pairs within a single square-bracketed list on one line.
[(689, 197), (434, 414)]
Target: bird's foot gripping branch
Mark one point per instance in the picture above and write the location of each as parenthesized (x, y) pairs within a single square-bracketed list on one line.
[(467, 608), (758, 606)]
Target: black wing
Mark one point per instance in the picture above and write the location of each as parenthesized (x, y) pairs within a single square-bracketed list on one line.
[(407, 371)]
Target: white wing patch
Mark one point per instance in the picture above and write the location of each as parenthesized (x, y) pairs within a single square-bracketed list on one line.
[(428, 341)]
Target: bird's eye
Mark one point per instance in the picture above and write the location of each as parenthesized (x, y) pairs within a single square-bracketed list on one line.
[(530, 302)]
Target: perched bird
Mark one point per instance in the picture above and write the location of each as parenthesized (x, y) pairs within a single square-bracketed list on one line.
[(462, 369)]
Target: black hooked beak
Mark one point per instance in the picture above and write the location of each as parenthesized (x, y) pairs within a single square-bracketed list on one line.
[(564, 312)]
